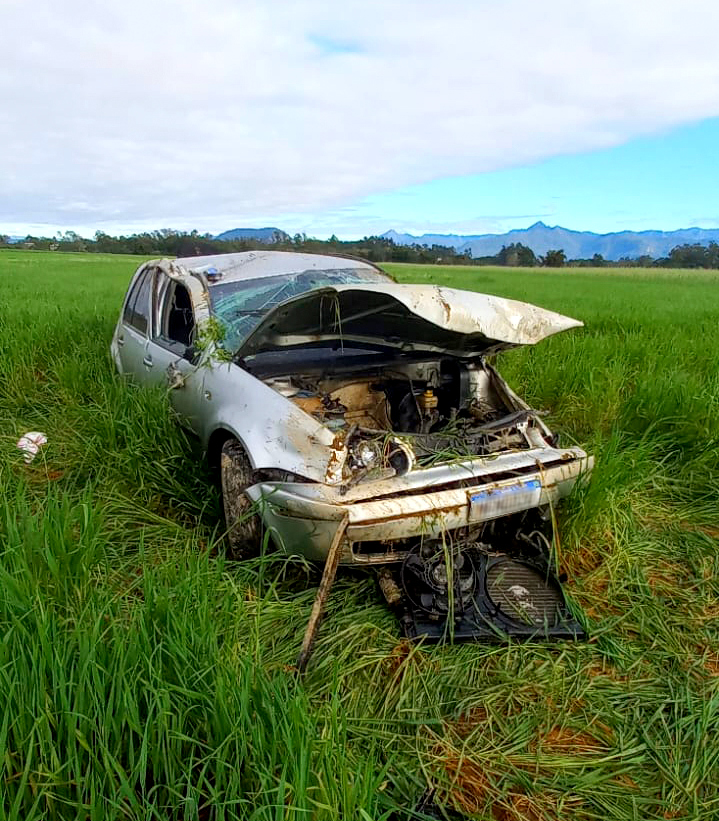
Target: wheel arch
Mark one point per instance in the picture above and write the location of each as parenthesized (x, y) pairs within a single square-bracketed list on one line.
[(215, 443)]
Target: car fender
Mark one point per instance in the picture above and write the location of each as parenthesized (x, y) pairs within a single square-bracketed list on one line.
[(273, 430)]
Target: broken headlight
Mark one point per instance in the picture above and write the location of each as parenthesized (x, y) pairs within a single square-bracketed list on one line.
[(367, 453)]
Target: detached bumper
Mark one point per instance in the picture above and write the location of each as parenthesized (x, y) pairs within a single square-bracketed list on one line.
[(303, 517)]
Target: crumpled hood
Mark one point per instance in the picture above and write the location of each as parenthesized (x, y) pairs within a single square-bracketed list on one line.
[(406, 318)]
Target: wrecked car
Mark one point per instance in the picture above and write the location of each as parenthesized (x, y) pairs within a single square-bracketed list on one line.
[(329, 396)]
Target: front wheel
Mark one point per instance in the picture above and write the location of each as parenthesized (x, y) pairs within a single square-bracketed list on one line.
[(244, 529)]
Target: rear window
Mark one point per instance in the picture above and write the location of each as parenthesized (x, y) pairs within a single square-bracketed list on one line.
[(241, 305)]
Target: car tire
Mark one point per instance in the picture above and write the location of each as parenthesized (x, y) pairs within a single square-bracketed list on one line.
[(244, 528)]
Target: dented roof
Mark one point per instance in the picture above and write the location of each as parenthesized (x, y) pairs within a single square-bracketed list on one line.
[(257, 264)]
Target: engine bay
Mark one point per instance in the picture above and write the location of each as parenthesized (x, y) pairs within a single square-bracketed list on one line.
[(419, 413)]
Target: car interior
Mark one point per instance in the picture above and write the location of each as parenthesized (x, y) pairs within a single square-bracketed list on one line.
[(179, 322)]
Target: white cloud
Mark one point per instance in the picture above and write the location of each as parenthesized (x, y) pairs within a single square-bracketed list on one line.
[(212, 113)]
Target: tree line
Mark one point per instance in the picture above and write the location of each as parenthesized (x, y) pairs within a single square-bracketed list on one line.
[(170, 243)]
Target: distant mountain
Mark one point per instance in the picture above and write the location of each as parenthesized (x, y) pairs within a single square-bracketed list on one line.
[(576, 244), (268, 235), (447, 240)]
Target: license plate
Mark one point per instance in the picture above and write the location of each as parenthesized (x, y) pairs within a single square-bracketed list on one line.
[(504, 499)]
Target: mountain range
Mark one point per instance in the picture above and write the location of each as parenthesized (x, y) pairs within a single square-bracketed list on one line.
[(539, 237), (575, 244)]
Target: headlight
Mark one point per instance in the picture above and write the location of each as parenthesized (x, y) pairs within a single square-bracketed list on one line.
[(400, 456), (366, 454)]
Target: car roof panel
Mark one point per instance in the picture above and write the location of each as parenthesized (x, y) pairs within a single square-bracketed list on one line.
[(247, 265)]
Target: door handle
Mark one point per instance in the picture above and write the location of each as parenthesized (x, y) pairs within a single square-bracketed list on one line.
[(147, 361), (120, 340)]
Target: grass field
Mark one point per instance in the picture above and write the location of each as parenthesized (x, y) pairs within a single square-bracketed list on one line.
[(143, 677)]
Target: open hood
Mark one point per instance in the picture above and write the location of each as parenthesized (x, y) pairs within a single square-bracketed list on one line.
[(405, 318)]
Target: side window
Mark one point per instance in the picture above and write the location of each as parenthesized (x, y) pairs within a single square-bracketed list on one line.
[(176, 318), (130, 299), (137, 307)]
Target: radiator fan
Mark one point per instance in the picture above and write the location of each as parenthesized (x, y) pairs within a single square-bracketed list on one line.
[(464, 594)]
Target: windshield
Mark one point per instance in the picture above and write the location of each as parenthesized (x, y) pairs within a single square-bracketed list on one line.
[(240, 306)]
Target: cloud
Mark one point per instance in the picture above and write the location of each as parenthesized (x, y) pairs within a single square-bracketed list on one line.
[(216, 112)]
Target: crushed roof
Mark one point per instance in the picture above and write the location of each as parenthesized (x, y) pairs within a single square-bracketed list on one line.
[(256, 264)]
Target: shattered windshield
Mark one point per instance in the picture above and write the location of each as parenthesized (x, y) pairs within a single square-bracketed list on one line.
[(241, 305)]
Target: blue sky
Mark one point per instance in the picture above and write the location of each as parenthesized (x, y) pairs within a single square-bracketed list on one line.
[(663, 182), (352, 118)]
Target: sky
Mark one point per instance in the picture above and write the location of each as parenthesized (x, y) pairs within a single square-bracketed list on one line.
[(356, 117)]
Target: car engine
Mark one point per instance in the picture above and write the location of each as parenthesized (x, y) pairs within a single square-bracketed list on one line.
[(417, 414)]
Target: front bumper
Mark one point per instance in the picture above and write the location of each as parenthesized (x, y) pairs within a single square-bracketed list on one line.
[(303, 517)]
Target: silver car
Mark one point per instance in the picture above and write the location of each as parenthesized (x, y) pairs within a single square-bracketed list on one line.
[(325, 394)]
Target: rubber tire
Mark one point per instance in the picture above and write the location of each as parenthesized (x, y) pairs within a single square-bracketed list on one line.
[(244, 528)]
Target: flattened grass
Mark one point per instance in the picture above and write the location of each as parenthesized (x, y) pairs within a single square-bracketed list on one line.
[(145, 677)]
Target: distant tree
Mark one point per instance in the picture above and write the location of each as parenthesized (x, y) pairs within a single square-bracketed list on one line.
[(527, 257), (598, 260), (71, 241), (38, 243), (106, 244), (692, 256), (554, 259), (516, 254)]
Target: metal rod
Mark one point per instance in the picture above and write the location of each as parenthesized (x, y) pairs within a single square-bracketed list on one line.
[(328, 577)]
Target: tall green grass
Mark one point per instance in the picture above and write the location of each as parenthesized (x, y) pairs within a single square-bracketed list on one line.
[(144, 677)]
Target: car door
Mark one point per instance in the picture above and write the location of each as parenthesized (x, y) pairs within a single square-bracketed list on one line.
[(170, 360), (132, 335)]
